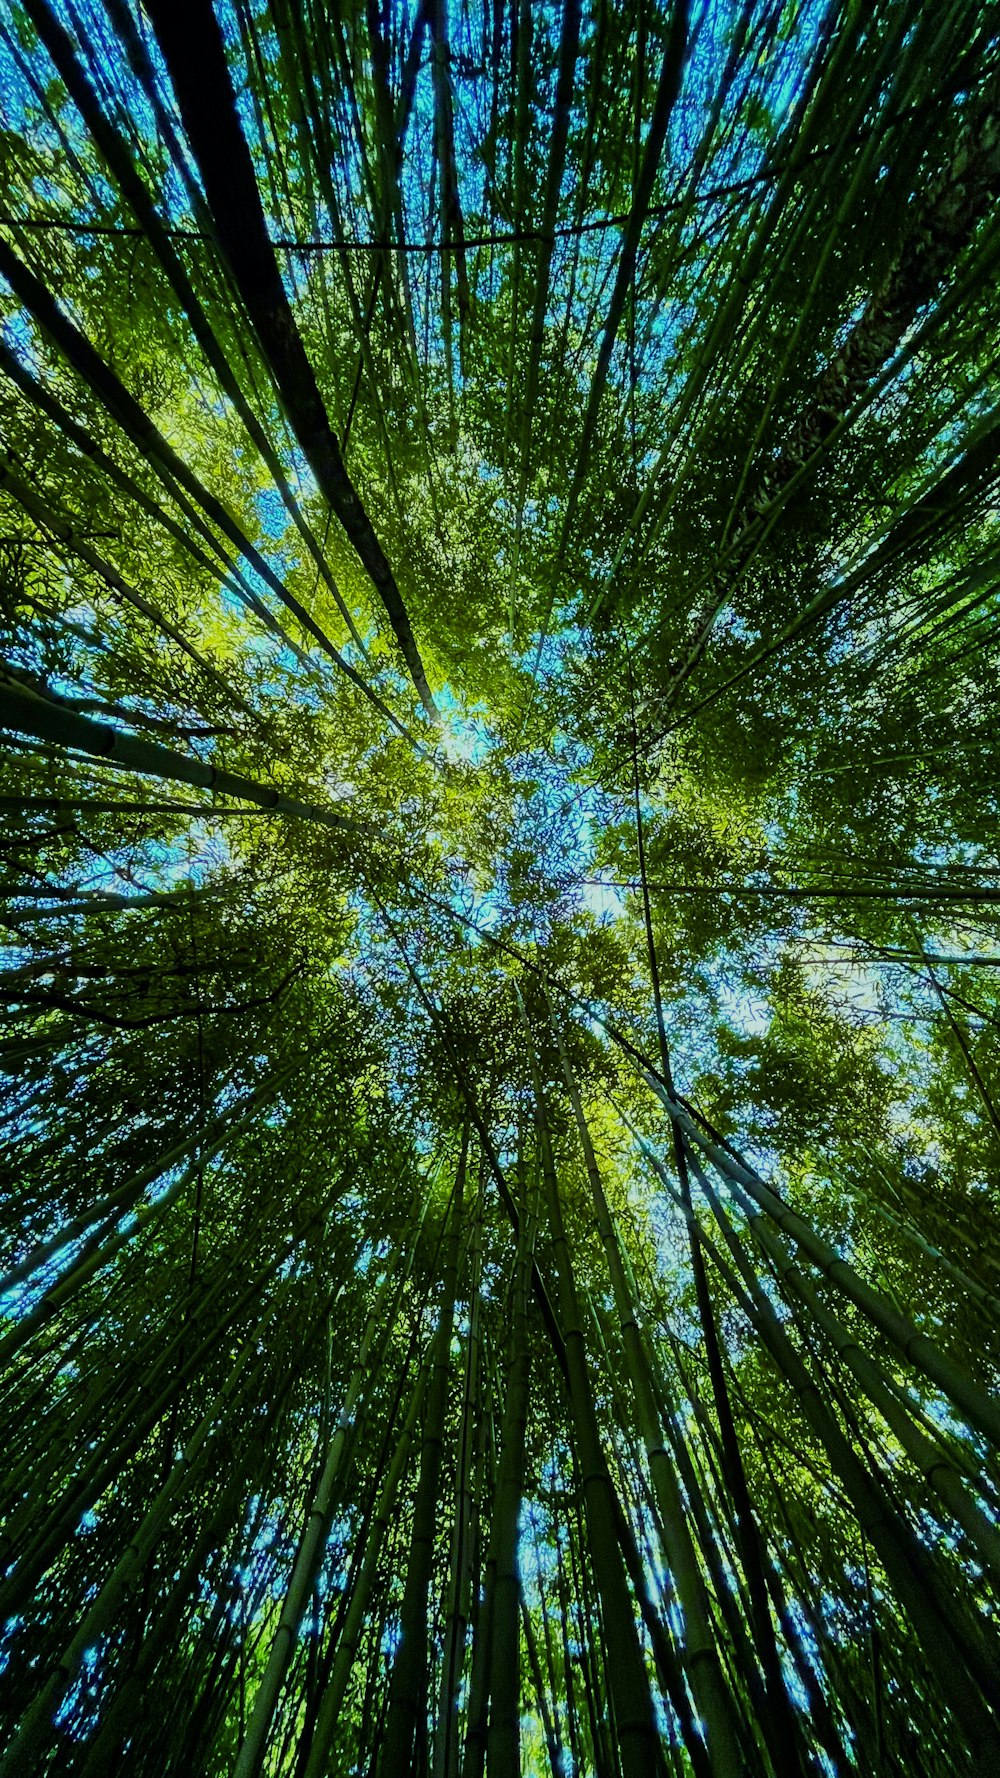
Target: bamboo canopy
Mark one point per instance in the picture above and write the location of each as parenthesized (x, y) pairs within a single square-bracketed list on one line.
[(499, 939)]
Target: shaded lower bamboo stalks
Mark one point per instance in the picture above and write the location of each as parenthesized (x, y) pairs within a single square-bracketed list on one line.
[(447, 1737), (901, 1556), (214, 1668), (742, 1664), (312, 1546), (797, 1586), (751, 1542), (567, 1749), (125, 1436), (589, 1657), (746, 1658), (646, 1570), (667, 1663), (704, 1470), (817, 1706), (474, 1745), (406, 1710), (503, 1747), (555, 1609), (854, 1710), (213, 1678), (105, 1749), (27, 1748), (362, 1582), (635, 1729), (133, 1410), (549, 1724), (777, 1721), (702, 1666), (329, 1625), (793, 1657)]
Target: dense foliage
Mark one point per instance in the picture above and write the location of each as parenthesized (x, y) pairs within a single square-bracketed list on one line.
[(501, 1055)]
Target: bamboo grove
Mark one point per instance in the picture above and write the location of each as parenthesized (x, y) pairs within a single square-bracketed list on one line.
[(500, 943)]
